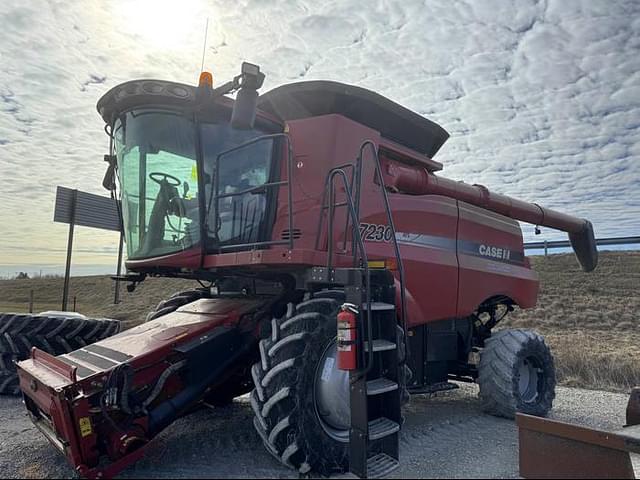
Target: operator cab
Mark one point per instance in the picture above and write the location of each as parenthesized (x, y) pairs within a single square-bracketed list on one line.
[(191, 169)]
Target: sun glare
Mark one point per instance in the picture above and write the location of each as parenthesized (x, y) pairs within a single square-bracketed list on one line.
[(165, 24)]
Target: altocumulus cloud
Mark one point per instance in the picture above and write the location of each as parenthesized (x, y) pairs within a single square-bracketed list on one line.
[(541, 97)]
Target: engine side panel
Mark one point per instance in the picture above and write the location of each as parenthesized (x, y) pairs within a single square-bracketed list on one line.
[(426, 231), (492, 261)]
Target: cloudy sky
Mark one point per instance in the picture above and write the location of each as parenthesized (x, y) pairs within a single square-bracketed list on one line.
[(541, 97)]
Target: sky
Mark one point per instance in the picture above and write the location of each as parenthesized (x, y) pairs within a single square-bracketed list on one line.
[(541, 98)]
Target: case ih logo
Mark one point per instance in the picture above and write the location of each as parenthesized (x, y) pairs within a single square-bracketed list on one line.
[(494, 252)]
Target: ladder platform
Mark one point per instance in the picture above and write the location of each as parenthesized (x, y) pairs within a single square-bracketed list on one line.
[(380, 345), (380, 385), (382, 427), (380, 465)]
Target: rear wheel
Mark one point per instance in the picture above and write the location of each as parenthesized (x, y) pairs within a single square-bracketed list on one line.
[(516, 374), (301, 399)]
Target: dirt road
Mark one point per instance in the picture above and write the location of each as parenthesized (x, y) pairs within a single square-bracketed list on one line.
[(445, 436)]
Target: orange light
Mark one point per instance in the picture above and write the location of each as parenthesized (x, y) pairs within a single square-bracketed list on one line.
[(206, 80)]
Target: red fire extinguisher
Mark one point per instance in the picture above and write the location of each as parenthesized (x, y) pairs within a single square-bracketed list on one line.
[(347, 351)]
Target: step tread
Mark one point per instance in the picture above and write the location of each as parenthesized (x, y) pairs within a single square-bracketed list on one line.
[(380, 345), (382, 427), (379, 306), (380, 465), (380, 385)]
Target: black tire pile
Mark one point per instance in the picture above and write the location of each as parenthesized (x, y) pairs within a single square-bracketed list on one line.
[(19, 333)]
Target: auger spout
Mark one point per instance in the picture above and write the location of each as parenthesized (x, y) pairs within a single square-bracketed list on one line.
[(418, 181)]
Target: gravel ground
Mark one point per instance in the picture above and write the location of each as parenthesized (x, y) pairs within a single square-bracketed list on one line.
[(443, 436)]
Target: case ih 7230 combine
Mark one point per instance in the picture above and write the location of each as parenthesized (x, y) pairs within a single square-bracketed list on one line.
[(339, 275)]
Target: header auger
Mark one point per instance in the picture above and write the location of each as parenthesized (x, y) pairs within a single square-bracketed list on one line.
[(324, 239)]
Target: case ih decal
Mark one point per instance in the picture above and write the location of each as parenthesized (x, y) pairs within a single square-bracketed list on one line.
[(372, 232), (494, 252)]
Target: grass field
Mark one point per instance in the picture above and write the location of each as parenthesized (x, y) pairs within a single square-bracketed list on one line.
[(591, 321)]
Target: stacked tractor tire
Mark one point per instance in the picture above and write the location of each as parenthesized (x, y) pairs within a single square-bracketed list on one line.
[(56, 334)]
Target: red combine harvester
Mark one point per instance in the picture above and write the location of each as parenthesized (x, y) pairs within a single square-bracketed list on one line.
[(339, 275)]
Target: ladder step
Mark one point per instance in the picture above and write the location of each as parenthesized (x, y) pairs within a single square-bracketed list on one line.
[(380, 345), (382, 427), (380, 385), (378, 306), (380, 465)]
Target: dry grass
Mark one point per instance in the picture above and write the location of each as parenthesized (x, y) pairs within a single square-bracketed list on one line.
[(591, 321), (94, 296)]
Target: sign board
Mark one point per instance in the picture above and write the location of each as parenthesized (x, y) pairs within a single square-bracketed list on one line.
[(91, 210), (88, 210)]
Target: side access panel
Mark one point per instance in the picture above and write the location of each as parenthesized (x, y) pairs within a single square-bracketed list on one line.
[(426, 231), (492, 261)]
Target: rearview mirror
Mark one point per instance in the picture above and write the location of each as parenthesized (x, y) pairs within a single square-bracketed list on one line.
[(244, 108), (109, 180)]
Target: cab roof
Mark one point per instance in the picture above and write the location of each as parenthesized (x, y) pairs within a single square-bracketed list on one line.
[(292, 102)]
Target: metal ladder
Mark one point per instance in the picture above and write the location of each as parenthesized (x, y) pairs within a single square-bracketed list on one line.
[(375, 388), (375, 392)]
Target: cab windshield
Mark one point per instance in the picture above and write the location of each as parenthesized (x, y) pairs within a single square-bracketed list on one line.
[(158, 174)]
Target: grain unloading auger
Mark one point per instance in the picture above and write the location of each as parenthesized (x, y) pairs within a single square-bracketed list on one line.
[(323, 241)]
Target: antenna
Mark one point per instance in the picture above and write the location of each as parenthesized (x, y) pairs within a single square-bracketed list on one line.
[(204, 45)]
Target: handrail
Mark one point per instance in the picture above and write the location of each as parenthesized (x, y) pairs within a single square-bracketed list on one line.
[(333, 173), (396, 247), (325, 206), (354, 211)]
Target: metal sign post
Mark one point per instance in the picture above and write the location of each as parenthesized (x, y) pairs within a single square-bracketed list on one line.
[(86, 209), (67, 271), (116, 295)]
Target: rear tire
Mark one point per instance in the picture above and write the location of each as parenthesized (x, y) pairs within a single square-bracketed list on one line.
[(284, 403), (516, 374)]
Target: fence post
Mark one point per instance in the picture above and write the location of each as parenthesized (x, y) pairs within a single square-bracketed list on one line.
[(545, 248), (74, 303), (31, 301)]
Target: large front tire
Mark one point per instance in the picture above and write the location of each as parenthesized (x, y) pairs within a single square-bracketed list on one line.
[(516, 374), (284, 399)]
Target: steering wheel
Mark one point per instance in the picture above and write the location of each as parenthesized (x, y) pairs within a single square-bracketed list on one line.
[(160, 177)]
